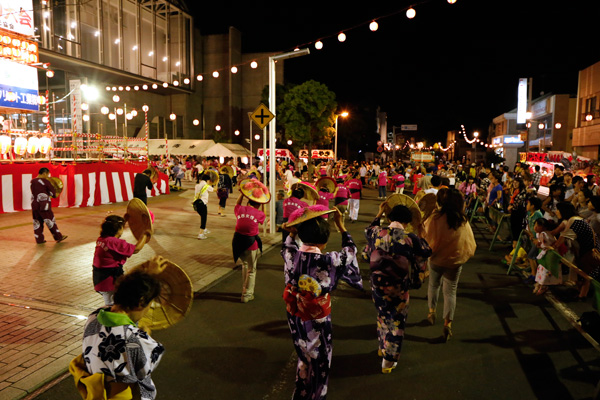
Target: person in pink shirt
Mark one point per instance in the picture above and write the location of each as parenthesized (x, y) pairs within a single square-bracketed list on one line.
[(354, 186), (340, 197), (324, 197), (246, 243), (399, 183), (290, 205), (382, 182), (110, 254)]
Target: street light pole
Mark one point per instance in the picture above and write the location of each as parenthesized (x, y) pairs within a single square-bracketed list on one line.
[(272, 125)]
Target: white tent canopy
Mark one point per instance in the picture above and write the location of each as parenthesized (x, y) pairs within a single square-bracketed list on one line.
[(179, 147), (226, 150)]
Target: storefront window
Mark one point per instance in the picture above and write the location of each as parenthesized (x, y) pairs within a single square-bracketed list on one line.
[(90, 31), (110, 33), (66, 28), (130, 34), (162, 59)]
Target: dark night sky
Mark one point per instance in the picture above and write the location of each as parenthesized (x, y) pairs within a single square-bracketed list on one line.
[(450, 65)]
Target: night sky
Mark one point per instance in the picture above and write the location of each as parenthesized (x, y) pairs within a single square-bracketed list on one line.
[(452, 64)]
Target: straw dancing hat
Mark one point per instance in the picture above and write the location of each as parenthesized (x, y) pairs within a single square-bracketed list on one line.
[(57, 184), (175, 300), (139, 218), (326, 182), (227, 170), (404, 200), (427, 205), (255, 190), (310, 191), (214, 177), (304, 214)]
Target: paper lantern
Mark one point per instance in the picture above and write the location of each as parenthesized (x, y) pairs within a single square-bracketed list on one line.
[(45, 145), (20, 145), (33, 144), (4, 144)]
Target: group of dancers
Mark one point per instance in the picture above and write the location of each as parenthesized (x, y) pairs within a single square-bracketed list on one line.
[(399, 255)]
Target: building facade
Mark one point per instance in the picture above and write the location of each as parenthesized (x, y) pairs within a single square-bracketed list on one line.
[(586, 134)]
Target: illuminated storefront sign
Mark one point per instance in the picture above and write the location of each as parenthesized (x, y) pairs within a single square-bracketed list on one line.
[(18, 86), (17, 16), (513, 139)]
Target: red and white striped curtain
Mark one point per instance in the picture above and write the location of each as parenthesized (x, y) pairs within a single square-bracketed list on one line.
[(84, 185)]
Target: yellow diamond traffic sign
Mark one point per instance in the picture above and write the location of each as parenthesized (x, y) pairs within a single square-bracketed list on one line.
[(262, 116)]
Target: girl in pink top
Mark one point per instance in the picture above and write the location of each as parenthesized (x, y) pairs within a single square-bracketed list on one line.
[(110, 255)]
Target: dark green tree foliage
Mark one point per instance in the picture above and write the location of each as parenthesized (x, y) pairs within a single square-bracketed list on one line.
[(308, 114)]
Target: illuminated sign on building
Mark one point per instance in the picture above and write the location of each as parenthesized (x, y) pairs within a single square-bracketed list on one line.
[(18, 86), (522, 101), (18, 49), (17, 16), (513, 139)]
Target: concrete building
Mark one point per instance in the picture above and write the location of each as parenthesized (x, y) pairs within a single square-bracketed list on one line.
[(549, 128), (586, 134), (102, 59)]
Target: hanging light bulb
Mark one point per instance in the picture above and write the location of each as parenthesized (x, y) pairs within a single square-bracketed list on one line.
[(410, 13), (172, 117), (234, 70), (196, 122), (199, 78), (253, 65), (215, 74), (342, 37), (373, 26), (145, 108), (451, 1), (319, 45)]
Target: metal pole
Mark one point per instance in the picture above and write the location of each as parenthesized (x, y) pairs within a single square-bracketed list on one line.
[(272, 124), (335, 155)]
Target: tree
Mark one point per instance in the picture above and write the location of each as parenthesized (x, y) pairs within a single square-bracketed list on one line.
[(308, 115)]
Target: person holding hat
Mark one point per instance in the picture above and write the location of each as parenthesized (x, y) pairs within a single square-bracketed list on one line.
[(398, 263), (354, 186), (246, 243), (310, 276), (42, 192), (291, 204), (118, 356)]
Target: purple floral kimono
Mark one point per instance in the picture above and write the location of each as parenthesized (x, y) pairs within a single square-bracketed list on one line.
[(398, 262), (313, 338)]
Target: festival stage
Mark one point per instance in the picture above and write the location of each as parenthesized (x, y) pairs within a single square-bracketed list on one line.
[(85, 183)]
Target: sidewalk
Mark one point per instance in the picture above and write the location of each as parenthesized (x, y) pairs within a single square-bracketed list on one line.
[(47, 289)]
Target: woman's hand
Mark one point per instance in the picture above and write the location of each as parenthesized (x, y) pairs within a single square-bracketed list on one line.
[(338, 218)]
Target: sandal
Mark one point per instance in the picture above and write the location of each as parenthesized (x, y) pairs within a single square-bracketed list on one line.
[(541, 290)]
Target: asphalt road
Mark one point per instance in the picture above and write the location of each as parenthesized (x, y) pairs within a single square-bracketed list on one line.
[(507, 343)]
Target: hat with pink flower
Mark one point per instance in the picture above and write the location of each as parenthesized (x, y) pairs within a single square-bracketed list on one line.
[(255, 190)]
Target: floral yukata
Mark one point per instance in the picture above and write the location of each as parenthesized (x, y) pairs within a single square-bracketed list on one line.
[(398, 261), (113, 345), (306, 268)]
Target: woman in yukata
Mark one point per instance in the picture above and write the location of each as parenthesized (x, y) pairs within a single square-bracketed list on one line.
[(310, 276), (398, 261)]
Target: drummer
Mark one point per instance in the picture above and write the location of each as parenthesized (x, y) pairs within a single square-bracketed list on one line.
[(42, 192), (246, 242)]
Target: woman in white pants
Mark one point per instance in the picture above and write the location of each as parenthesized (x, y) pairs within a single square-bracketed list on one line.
[(354, 186), (452, 243)]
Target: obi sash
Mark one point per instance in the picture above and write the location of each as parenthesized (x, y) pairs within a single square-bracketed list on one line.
[(306, 305)]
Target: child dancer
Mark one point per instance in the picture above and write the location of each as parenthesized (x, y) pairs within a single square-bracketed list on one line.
[(310, 276), (545, 239), (110, 255)]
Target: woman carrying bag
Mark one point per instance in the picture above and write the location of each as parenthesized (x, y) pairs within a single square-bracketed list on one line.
[(451, 239)]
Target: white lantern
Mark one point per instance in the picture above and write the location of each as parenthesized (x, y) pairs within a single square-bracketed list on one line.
[(33, 144), (4, 144), (20, 145), (45, 145)]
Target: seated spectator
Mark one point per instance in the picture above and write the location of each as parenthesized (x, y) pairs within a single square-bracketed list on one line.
[(557, 194), (581, 203), (594, 218), (580, 239)]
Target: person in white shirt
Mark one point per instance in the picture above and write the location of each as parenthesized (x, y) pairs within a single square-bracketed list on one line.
[(436, 181), (201, 203)]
